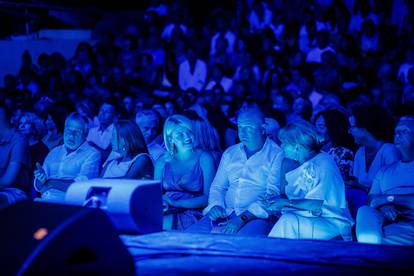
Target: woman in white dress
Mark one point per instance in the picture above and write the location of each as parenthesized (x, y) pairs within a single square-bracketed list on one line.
[(315, 206), (129, 157)]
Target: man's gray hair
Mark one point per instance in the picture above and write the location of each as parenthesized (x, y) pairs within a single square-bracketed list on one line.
[(75, 116)]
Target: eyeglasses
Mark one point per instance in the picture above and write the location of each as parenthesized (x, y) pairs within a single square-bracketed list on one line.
[(73, 132)]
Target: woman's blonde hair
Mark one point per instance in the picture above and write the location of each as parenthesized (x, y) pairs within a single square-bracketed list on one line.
[(170, 124), (301, 132)]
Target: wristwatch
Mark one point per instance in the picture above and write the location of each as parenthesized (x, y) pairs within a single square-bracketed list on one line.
[(244, 218), (390, 198)]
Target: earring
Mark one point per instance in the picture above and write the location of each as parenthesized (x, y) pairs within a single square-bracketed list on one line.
[(171, 151)]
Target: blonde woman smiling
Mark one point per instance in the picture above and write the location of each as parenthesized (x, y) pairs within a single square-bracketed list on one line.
[(186, 174)]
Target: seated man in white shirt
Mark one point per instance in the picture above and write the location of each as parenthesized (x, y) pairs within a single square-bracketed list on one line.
[(217, 77), (149, 122), (192, 72), (390, 217), (249, 172), (73, 161), (100, 136), (315, 54)]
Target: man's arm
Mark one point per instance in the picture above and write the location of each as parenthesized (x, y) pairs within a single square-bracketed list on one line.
[(58, 184), (90, 167), (216, 200), (218, 187), (258, 208), (406, 201)]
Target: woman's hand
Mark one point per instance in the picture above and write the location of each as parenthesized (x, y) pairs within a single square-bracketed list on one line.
[(169, 201), (389, 212), (278, 204)]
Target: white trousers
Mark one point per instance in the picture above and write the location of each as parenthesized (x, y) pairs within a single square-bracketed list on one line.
[(293, 226), (370, 229)]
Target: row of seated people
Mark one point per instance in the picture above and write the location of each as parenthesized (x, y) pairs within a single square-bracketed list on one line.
[(294, 190)]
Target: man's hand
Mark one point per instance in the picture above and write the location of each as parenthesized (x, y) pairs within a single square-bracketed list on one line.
[(234, 225), (40, 174), (389, 212), (217, 212)]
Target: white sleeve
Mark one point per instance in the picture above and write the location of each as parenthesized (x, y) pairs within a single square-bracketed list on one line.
[(218, 187)]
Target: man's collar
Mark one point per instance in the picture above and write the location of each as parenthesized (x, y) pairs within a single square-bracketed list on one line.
[(106, 128), (267, 140), (80, 148)]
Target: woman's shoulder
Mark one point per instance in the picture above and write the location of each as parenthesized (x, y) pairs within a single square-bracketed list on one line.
[(323, 159), (142, 156), (205, 156), (388, 147), (162, 160)]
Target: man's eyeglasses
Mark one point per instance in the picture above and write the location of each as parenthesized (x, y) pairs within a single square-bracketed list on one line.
[(73, 132)]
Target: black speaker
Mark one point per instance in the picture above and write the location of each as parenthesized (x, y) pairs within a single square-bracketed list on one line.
[(50, 239)]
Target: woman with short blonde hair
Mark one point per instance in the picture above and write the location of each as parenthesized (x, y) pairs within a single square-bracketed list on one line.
[(315, 206)]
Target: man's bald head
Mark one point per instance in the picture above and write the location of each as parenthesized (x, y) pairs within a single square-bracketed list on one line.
[(250, 126), (408, 121), (254, 114), (404, 135)]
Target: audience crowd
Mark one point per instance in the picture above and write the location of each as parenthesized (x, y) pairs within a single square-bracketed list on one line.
[(291, 119)]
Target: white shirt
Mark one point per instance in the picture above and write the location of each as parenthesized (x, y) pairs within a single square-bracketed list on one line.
[(231, 38), (315, 55), (167, 32), (155, 150), (196, 79), (101, 138), (79, 165), (396, 178), (403, 71), (241, 184), (387, 154), (256, 23), (319, 178), (226, 83)]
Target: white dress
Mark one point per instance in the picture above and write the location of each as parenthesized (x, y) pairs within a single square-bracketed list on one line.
[(118, 169), (318, 178)]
